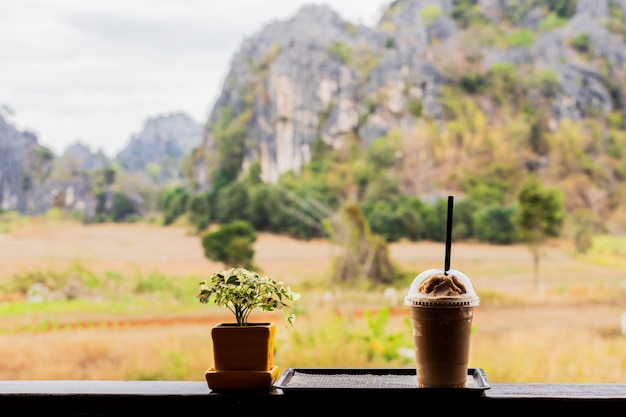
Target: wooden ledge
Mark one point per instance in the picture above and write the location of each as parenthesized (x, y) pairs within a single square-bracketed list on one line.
[(193, 398)]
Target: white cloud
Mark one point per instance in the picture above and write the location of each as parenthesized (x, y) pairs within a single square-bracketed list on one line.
[(95, 70)]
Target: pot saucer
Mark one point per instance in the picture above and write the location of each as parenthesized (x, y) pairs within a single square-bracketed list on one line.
[(241, 380)]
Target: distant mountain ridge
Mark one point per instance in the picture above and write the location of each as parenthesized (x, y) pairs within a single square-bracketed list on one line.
[(164, 141), (33, 179)]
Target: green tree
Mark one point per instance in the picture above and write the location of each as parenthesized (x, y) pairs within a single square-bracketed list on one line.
[(173, 203), (231, 244), (103, 179), (364, 254), (562, 8), (229, 134), (231, 203), (431, 224), (101, 199), (438, 218), (263, 200), (383, 220), (503, 83), (200, 211), (123, 207), (585, 221), (463, 227), (393, 218), (472, 82), (539, 215), (537, 138), (486, 189), (254, 173), (383, 153), (494, 224)]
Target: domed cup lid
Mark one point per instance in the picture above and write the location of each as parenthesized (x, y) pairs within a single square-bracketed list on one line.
[(433, 288)]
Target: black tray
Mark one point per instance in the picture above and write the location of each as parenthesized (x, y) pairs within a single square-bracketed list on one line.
[(371, 380)]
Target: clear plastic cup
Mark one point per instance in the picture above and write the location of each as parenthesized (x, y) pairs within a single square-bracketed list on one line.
[(442, 324)]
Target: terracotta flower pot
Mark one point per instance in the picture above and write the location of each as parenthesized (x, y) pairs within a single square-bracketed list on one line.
[(243, 348), (243, 357)]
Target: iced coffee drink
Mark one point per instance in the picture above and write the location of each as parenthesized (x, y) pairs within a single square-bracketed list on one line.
[(441, 307)]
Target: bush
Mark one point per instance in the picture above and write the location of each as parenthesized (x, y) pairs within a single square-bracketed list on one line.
[(416, 108), (495, 225), (472, 82), (231, 203), (428, 223), (341, 50), (200, 212), (383, 220), (520, 37), (173, 203), (581, 43), (231, 244), (124, 208)]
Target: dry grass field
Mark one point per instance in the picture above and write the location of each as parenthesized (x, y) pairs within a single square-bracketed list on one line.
[(566, 329)]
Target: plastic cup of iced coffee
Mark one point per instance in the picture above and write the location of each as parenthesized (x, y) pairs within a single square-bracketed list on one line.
[(442, 308)]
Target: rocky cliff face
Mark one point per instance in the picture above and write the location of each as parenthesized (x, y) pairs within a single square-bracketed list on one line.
[(581, 87), (316, 76)]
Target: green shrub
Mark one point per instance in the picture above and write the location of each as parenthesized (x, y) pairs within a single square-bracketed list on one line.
[(546, 81), (382, 153), (200, 211), (416, 108), (494, 224), (430, 14), (231, 244), (472, 82), (520, 38), (229, 134), (124, 208), (231, 203), (563, 8), (581, 43), (341, 50), (173, 203), (551, 22), (466, 13)]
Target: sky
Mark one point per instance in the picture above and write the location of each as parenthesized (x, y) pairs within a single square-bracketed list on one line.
[(93, 71)]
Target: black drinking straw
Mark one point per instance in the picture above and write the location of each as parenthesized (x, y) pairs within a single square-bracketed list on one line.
[(446, 267)]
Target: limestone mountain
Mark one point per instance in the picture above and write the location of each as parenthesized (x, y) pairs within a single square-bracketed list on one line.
[(473, 89), (80, 158), (161, 146)]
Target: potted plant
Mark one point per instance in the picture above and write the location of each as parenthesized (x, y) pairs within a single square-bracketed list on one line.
[(243, 351)]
